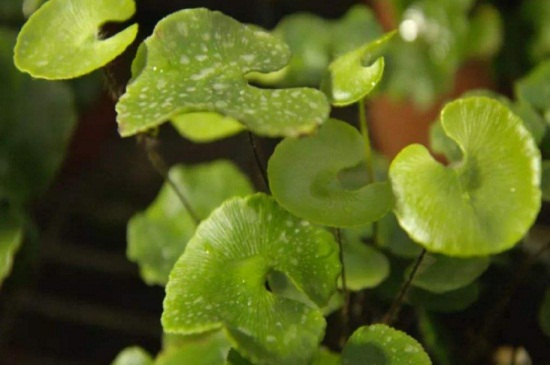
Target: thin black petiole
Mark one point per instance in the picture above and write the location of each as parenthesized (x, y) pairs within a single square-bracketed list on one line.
[(393, 312), (150, 143), (259, 163), (345, 307)]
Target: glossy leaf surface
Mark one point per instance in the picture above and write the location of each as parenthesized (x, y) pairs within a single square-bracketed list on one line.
[(62, 39), (206, 127), (133, 356), (219, 281), (544, 314), (303, 176), (481, 205), (439, 273), (35, 127), (196, 60), (381, 344), (348, 80), (11, 236), (158, 236)]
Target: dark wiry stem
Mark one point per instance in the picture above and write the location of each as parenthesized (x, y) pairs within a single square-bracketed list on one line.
[(345, 308), (259, 163), (396, 305), (150, 143)]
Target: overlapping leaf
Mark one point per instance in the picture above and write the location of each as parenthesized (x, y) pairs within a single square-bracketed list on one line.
[(381, 344), (219, 281), (158, 236), (482, 204), (63, 40), (208, 349), (303, 176), (206, 127), (196, 60)]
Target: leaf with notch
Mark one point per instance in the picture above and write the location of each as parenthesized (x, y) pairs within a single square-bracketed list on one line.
[(481, 205), (196, 60), (219, 281), (158, 236), (303, 176), (62, 39)]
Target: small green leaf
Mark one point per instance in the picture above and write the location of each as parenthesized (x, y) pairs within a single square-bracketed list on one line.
[(206, 127), (535, 88), (313, 191), (196, 60), (545, 180), (219, 281), (62, 39), (133, 356), (439, 274), (11, 236), (158, 236), (481, 205), (207, 349), (348, 81), (382, 345), (448, 302), (365, 266), (544, 314)]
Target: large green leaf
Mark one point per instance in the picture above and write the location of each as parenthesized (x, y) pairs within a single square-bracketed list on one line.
[(11, 236), (205, 127), (393, 238), (219, 281), (196, 60), (303, 176), (158, 236), (133, 356), (480, 205), (36, 123), (439, 273), (544, 314), (63, 39), (209, 349), (381, 344), (348, 80)]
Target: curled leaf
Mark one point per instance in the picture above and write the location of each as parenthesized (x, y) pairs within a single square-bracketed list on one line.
[(158, 236), (381, 344), (196, 60), (480, 205), (62, 39), (303, 176), (219, 281)]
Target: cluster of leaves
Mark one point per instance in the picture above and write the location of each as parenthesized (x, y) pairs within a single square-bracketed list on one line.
[(250, 277)]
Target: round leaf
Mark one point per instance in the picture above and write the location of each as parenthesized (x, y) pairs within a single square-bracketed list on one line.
[(158, 236), (381, 344), (365, 266), (11, 236), (303, 176), (196, 60), (544, 314), (348, 81), (219, 281), (206, 127), (439, 274), (62, 39), (133, 356), (481, 205)]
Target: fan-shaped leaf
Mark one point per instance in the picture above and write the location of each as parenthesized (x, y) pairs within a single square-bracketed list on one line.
[(62, 39), (348, 81), (11, 236), (133, 356), (544, 314), (158, 236), (365, 266), (303, 176), (196, 60), (206, 127), (220, 281), (481, 205), (383, 345), (448, 302), (439, 274), (36, 123)]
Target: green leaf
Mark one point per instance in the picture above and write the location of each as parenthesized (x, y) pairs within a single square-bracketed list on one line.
[(196, 60), (448, 302), (381, 344), (206, 127), (313, 191), (544, 314), (537, 13), (326, 357), (234, 358), (485, 32), (35, 127), (481, 205), (209, 349), (393, 238), (63, 40), (365, 266), (439, 274), (348, 81), (535, 88), (11, 237), (545, 180), (158, 236), (133, 356), (435, 337), (219, 281)]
